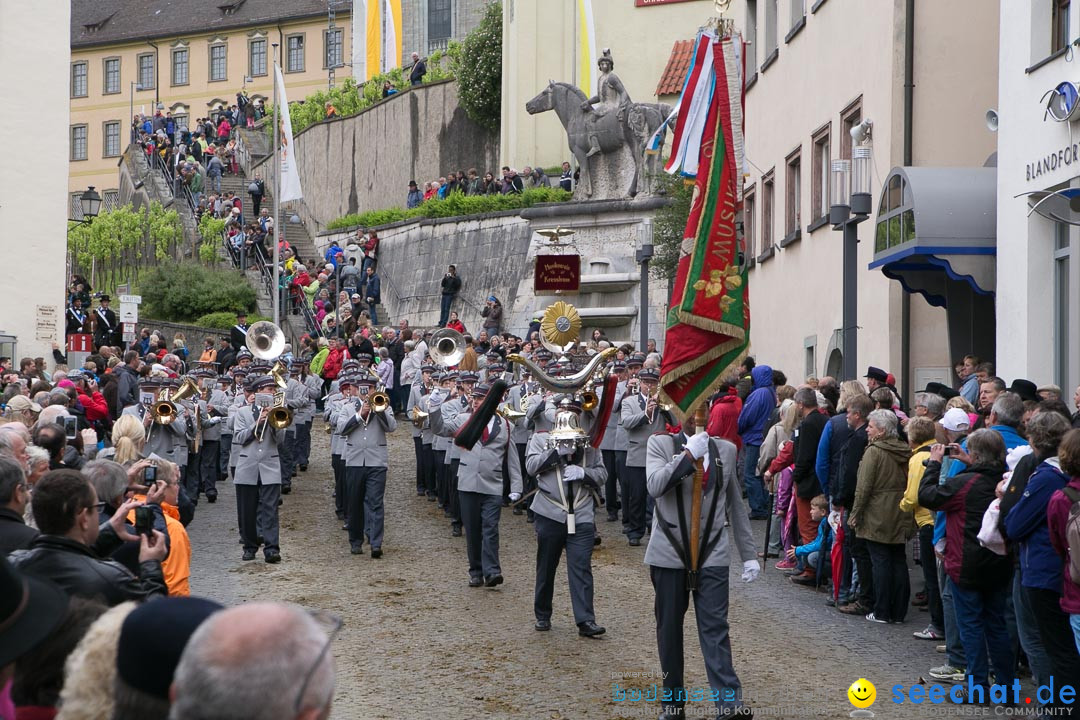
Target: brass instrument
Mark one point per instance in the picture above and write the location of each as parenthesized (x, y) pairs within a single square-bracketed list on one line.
[(379, 400), (164, 409), (418, 418), (280, 416), (508, 413), (265, 340), (589, 400), (447, 347)]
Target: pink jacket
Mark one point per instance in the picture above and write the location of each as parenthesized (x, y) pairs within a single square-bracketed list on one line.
[(1057, 517)]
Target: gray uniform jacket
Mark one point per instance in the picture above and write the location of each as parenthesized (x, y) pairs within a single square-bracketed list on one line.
[(165, 440), (212, 422), (416, 391), (639, 428), (365, 443), (452, 409), (313, 385), (334, 408), (541, 461), (667, 477), (612, 431), (481, 468), (256, 460), (520, 431), (621, 441)]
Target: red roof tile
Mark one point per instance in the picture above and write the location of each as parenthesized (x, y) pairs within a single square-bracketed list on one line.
[(671, 81)]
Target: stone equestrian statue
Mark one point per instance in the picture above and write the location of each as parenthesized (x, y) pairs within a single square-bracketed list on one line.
[(605, 127)]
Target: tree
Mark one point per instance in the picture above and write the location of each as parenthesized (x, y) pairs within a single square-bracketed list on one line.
[(477, 65), (669, 225), (118, 244)]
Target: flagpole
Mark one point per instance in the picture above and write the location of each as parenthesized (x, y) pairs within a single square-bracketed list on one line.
[(276, 166)]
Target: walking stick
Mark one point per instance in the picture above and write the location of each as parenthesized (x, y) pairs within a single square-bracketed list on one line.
[(695, 504), (768, 531)]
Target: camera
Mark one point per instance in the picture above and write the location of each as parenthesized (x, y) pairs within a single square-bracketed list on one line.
[(71, 428), (952, 449), (144, 521), (149, 474)]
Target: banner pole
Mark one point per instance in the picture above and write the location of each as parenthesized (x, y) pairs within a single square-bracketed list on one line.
[(276, 166)]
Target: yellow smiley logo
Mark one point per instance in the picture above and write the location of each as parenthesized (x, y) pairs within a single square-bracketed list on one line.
[(862, 693)]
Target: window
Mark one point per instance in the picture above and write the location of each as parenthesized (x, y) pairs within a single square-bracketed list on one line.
[(438, 22), (767, 183), (294, 60), (180, 66), (810, 350), (793, 203), (822, 164), (146, 71), (112, 76), (333, 42), (78, 142), (110, 200), (181, 121), (1059, 25), (798, 16), (1062, 301), (751, 37), (257, 57), (75, 205), (849, 118), (111, 132), (218, 56), (78, 80), (771, 11), (749, 224)]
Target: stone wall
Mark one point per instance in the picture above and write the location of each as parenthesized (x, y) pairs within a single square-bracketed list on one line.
[(495, 254), (365, 162)]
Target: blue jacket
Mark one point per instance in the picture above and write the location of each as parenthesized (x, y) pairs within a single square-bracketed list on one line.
[(1026, 524), (758, 406), (970, 389), (331, 254), (373, 288), (819, 543)]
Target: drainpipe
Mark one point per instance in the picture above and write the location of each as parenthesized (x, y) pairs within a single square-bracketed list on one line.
[(909, 102), (157, 76)]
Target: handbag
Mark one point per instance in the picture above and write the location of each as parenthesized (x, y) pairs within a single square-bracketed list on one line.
[(253, 187)]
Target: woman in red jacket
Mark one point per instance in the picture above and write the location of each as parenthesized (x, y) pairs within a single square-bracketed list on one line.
[(332, 366), (91, 399)]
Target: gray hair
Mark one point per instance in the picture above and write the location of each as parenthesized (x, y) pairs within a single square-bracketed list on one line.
[(934, 404), (37, 455), (108, 478), (806, 396), (1045, 431), (216, 681), (885, 421), (11, 476), (986, 446), (1008, 410)]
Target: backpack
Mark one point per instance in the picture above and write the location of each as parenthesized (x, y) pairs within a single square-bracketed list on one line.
[(1072, 534)]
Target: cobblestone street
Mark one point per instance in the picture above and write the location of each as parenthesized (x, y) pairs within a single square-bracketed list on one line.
[(418, 642)]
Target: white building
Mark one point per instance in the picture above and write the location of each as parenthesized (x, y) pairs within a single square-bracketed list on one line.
[(35, 59), (1038, 277), (815, 69)]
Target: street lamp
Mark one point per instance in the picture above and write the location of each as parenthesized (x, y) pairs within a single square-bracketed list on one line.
[(851, 203), (90, 204), (642, 256), (131, 108)]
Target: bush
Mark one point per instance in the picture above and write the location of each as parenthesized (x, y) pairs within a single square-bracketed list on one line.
[(477, 65), (456, 205), (224, 320), (182, 293)]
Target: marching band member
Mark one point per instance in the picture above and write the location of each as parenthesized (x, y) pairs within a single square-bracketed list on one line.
[(162, 440), (670, 473), (366, 460), (459, 404), (335, 405), (427, 437), (440, 445), (258, 472), (480, 486), (641, 417), (568, 471), (227, 386), (520, 431), (313, 386), (420, 388), (609, 447), (217, 403)]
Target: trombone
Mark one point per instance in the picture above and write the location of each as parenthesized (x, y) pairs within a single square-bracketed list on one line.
[(280, 416)]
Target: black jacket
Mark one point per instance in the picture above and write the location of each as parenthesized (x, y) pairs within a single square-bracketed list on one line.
[(847, 475), (127, 388), (807, 436), (451, 284), (14, 533), (80, 572), (419, 70)]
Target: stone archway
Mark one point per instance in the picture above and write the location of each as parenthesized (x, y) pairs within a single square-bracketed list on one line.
[(834, 365)]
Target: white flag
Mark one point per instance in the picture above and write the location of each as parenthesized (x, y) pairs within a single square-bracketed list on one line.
[(391, 51), (289, 182)]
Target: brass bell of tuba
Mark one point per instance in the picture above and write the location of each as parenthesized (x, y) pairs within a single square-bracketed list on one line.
[(447, 347), (265, 340)]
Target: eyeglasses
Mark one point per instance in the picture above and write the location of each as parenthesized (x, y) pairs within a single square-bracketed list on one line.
[(98, 506), (332, 625)]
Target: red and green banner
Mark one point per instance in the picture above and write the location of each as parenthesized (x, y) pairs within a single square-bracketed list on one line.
[(708, 321)]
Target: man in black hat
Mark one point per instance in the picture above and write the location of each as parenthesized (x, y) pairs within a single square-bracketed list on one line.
[(106, 329), (77, 321), (569, 474), (415, 197), (1026, 389), (875, 378), (238, 333)]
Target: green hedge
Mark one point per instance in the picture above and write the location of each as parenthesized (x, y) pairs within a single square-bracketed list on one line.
[(455, 205), (183, 293), (225, 320)]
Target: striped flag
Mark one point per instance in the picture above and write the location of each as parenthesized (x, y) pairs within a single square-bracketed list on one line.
[(708, 321), (586, 48)]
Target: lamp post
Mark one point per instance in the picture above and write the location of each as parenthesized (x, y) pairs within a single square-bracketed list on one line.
[(851, 203), (90, 204), (131, 109), (642, 256)]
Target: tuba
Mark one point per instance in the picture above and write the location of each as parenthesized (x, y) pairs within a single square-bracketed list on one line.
[(265, 340), (447, 347)]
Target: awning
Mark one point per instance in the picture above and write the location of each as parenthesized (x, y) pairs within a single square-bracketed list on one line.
[(936, 231)]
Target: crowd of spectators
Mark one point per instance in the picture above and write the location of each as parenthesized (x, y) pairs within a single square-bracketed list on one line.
[(510, 182)]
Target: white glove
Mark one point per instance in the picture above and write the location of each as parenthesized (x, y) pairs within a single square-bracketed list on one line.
[(573, 472), (565, 449), (750, 570), (435, 402), (698, 445), (514, 497)]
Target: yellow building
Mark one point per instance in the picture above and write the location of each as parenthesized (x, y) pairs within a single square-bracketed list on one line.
[(190, 58)]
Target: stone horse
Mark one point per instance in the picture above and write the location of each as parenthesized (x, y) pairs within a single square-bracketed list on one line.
[(642, 120)]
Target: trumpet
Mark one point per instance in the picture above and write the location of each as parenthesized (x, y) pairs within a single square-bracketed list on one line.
[(164, 409), (280, 416), (418, 418), (508, 413)]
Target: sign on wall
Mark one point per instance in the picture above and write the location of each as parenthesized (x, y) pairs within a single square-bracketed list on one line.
[(557, 273), (45, 325)]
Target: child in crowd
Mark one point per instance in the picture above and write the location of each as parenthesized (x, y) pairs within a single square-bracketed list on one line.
[(813, 555)]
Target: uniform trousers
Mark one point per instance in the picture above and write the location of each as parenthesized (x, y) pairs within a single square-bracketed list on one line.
[(455, 501), (338, 466), (480, 519), (225, 450), (189, 475), (303, 444), (611, 487), (528, 481), (364, 490), (257, 511), (634, 497), (428, 469), (440, 477), (620, 472), (285, 457), (418, 448), (711, 611), (209, 466), (551, 540)]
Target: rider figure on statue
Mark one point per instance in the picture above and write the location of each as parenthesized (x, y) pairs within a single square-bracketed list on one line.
[(611, 95)]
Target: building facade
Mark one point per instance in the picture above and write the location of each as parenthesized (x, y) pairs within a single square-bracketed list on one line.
[(33, 185), (1038, 255), (132, 56)]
